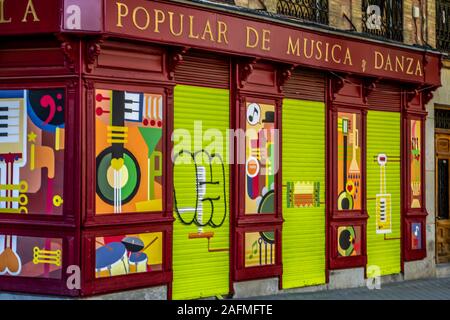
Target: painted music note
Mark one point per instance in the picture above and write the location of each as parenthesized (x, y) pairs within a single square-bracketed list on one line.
[(254, 250), (253, 113), (46, 109)]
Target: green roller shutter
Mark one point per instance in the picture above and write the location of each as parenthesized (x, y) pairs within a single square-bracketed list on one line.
[(201, 254), (303, 139), (383, 138)]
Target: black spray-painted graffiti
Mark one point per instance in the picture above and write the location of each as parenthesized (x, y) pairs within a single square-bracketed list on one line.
[(202, 177)]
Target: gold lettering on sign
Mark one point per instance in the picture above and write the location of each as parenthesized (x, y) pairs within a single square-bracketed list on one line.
[(305, 45), (191, 29), (293, 49), (388, 63), (2, 13), (332, 53), (265, 40), (253, 31), (222, 33), (399, 64), (348, 57), (121, 13), (418, 69), (147, 18), (172, 31), (319, 50), (379, 60), (410, 68), (160, 17), (327, 45), (208, 31), (28, 10)]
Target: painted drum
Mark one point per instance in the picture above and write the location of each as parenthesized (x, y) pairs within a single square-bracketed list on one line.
[(111, 260), (133, 244), (138, 262)]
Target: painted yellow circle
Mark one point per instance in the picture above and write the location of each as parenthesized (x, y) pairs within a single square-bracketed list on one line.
[(57, 201)]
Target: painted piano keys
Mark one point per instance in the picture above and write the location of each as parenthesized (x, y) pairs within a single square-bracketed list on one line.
[(31, 151), (13, 151)]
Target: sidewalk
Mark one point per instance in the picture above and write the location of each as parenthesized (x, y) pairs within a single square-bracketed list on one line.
[(424, 289)]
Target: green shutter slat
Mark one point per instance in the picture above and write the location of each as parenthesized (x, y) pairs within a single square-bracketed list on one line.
[(196, 272), (303, 159), (383, 137)]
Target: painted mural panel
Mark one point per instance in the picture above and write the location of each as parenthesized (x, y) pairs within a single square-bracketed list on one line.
[(349, 241), (128, 145), (259, 248), (128, 254), (416, 236), (383, 191), (261, 159), (32, 151), (416, 164), (349, 161), (32, 257), (201, 230), (303, 199)]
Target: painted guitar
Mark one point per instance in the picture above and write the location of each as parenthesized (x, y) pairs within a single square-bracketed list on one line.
[(345, 199), (116, 164)]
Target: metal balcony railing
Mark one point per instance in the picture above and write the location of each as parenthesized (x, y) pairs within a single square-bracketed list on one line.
[(383, 18), (443, 25), (311, 10)]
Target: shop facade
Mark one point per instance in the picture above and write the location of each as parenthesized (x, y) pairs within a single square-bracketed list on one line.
[(195, 149)]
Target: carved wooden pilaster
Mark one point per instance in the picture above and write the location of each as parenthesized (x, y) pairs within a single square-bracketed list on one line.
[(245, 70), (68, 48), (369, 84), (284, 73), (337, 83), (175, 58), (93, 49)]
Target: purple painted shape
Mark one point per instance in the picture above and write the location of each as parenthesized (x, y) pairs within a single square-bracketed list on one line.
[(82, 15)]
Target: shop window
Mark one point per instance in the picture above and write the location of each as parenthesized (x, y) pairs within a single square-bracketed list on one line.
[(128, 148), (128, 254), (260, 248), (443, 25), (258, 236), (349, 241), (416, 164), (416, 236), (349, 161), (383, 18), (32, 151), (311, 10), (261, 159)]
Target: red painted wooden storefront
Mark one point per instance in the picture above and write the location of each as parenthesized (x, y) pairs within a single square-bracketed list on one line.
[(70, 56)]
